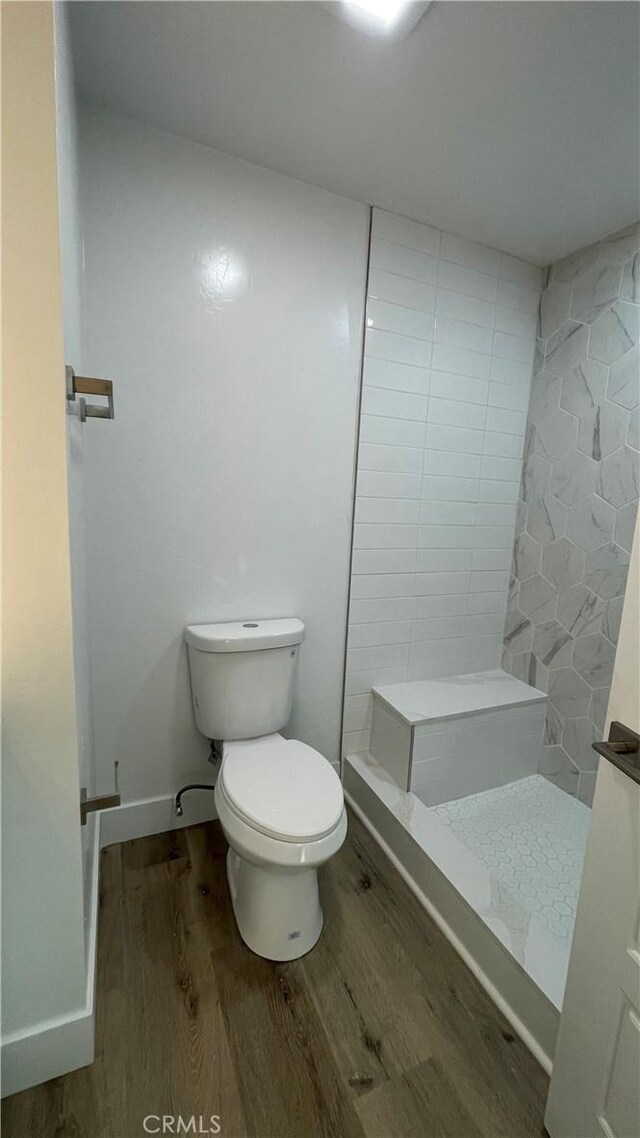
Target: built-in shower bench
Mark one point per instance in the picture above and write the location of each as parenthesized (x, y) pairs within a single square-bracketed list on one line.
[(451, 737)]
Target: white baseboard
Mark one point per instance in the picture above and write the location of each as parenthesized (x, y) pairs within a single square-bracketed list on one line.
[(154, 816), (55, 1047)]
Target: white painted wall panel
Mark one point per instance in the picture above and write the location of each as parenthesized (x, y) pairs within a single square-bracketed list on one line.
[(227, 304)]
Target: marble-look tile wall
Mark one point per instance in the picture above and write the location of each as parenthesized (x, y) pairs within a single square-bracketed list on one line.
[(578, 500)]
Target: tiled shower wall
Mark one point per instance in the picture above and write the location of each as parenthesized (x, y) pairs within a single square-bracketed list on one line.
[(449, 348), (579, 500)]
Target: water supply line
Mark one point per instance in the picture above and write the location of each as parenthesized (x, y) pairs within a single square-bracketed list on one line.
[(183, 789), (215, 755)]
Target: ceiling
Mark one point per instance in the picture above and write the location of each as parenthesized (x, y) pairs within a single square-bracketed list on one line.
[(514, 124)]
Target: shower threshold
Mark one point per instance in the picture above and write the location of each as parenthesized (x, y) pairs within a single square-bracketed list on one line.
[(499, 871)]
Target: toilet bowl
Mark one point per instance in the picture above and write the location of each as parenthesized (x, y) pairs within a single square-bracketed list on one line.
[(280, 802), (281, 808)]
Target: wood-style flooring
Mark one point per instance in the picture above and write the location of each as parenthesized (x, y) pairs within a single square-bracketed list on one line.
[(380, 1032)]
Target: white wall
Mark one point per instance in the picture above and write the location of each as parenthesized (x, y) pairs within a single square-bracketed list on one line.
[(226, 302), (448, 359), (43, 945)]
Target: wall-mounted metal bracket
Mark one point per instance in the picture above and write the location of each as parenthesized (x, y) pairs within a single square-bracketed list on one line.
[(100, 801), (622, 749), (82, 385)]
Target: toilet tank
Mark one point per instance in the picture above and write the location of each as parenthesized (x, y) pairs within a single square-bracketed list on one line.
[(242, 676)]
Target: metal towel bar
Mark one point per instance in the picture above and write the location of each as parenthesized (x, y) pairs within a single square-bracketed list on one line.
[(82, 385)]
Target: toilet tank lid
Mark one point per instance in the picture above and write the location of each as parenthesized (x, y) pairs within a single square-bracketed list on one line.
[(244, 635)]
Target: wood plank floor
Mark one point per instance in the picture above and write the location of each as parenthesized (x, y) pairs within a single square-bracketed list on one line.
[(380, 1032)]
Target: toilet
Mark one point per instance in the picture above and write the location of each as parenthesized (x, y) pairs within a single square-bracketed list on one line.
[(279, 802)]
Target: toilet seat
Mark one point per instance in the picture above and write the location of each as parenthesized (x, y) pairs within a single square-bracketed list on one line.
[(282, 788)]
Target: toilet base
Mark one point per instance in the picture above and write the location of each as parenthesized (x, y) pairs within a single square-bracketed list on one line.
[(277, 910)]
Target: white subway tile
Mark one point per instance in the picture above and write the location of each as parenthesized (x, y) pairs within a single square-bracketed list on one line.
[(512, 295), (510, 398), (382, 585), (353, 702), (356, 718), (448, 396), (438, 628), (459, 361), (516, 323), (511, 372), (432, 727), (391, 743), (453, 413), (387, 632), (447, 513), (467, 253), (379, 609), (373, 536), (394, 404), (505, 446), (456, 463), (513, 269), (453, 439), (457, 387), (396, 432), (381, 656), (425, 748), (437, 668), (442, 651), (361, 682), (353, 742), (401, 349), (492, 537), (506, 422), (487, 602), (401, 290), (443, 560), (507, 469), (381, 456), (488, 647), (429, 584), (494, 490), (395, 511), (415, 235), (460, 279), (446, 536), (460, 334), (495, 514), (396, 376), (406, 262), (493, 558), (447, 489), (372, 561), (394, 318), (518, 348), (439, 606), (484, 624), (488, 581), (385, 484), (457, 306)]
